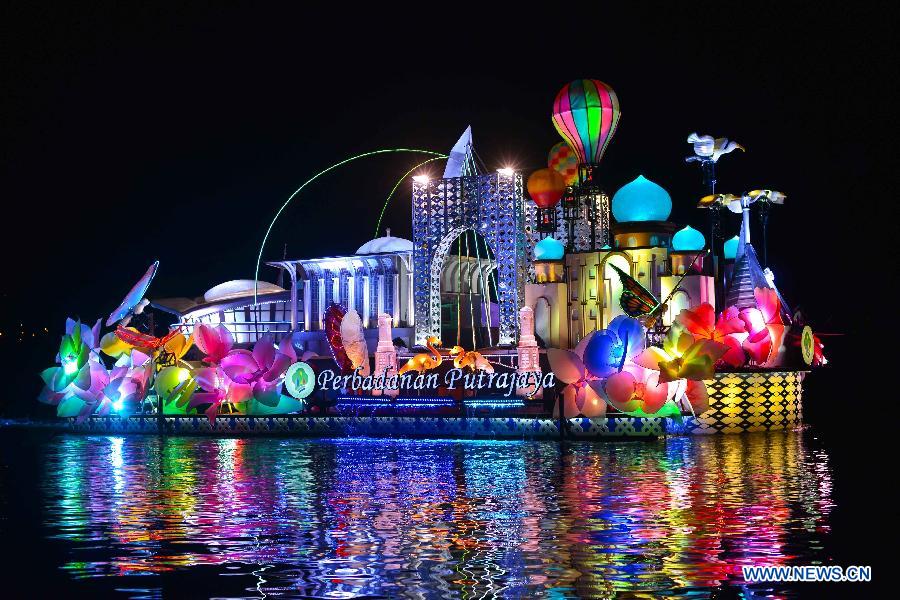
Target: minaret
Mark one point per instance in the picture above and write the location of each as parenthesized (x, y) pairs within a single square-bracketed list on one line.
[(385, 355), (527, 351)]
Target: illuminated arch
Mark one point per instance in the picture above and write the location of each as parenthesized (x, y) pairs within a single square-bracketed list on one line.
[(680, 300), (612, 285), (543, 326), (394, 190), (492, 206)]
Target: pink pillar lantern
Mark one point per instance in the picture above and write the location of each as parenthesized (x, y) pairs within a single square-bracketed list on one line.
[(528, 353), (385, 356)]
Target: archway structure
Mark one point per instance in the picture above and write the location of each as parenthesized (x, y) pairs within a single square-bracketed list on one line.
[(492, 206)]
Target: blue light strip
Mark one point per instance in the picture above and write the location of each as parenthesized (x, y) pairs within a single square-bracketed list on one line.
[(489, 403), (364, 401)]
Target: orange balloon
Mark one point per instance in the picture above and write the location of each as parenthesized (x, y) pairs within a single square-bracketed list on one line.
[(546, 187)]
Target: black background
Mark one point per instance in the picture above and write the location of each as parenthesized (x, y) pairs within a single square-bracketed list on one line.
[(139, 133), (173, 134)]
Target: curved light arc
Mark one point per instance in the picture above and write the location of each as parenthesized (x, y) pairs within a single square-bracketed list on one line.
[(397, 185), (306, 183)]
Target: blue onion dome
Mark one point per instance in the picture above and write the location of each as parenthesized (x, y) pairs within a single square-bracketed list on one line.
[(641, 200), (549, 249), (688, 239), (731, 247)]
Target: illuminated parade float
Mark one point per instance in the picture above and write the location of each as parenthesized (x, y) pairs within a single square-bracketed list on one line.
[(525, 305)]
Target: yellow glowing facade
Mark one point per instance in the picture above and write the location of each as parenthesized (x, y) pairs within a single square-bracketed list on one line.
[(592, 289)]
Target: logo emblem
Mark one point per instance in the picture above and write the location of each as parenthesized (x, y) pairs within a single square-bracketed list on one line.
[(807, 345), (300, 380)]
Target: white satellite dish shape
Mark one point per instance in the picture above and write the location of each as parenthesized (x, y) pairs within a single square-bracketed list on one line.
[(354, 341), (459, 155)]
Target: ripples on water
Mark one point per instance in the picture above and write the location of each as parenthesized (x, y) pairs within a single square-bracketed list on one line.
[(467, 519)]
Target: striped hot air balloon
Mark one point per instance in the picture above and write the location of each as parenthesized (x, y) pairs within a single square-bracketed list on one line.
[(586, 114)]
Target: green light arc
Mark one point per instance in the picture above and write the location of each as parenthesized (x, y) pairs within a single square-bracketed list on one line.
[(397, 185), (306, 183)]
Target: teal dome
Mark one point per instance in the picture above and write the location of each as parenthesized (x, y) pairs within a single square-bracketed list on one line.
[(731, 248), (549, 249), (688, 239), (641, 200)]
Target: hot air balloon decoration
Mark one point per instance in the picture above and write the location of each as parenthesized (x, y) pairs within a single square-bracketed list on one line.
[(546, 188), (563, 160), (586, 114)]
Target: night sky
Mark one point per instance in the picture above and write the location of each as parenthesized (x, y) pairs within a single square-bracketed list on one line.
[(175, 134)]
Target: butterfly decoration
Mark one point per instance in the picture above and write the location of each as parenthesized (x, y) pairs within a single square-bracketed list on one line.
[(640, 303), (636, 300), (134, 296), (142, 340)]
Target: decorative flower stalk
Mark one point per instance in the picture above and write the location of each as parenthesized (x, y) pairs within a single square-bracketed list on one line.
[(237, 376), (602, 369), (128, 382), (79, 375), (215, 342), (765, 326), (684, 358), (729, 330)]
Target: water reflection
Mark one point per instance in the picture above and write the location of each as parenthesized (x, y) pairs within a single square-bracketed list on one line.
[(347, 518)]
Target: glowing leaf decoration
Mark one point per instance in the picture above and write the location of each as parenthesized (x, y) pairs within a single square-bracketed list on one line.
[(594, 401), (566, 365), (569, 400)]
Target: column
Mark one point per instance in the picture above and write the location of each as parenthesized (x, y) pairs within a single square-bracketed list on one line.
[(379, 300), (307, 304), (336, 288), (293, 273), (385, 356), (351, 293), (320, 305), (367, 301), (410, 302), (395, 303)]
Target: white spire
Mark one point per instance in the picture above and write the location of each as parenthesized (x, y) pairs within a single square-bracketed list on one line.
[(745, 203), (459, 155)]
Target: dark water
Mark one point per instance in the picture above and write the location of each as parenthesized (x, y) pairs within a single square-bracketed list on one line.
[(187, 517)]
